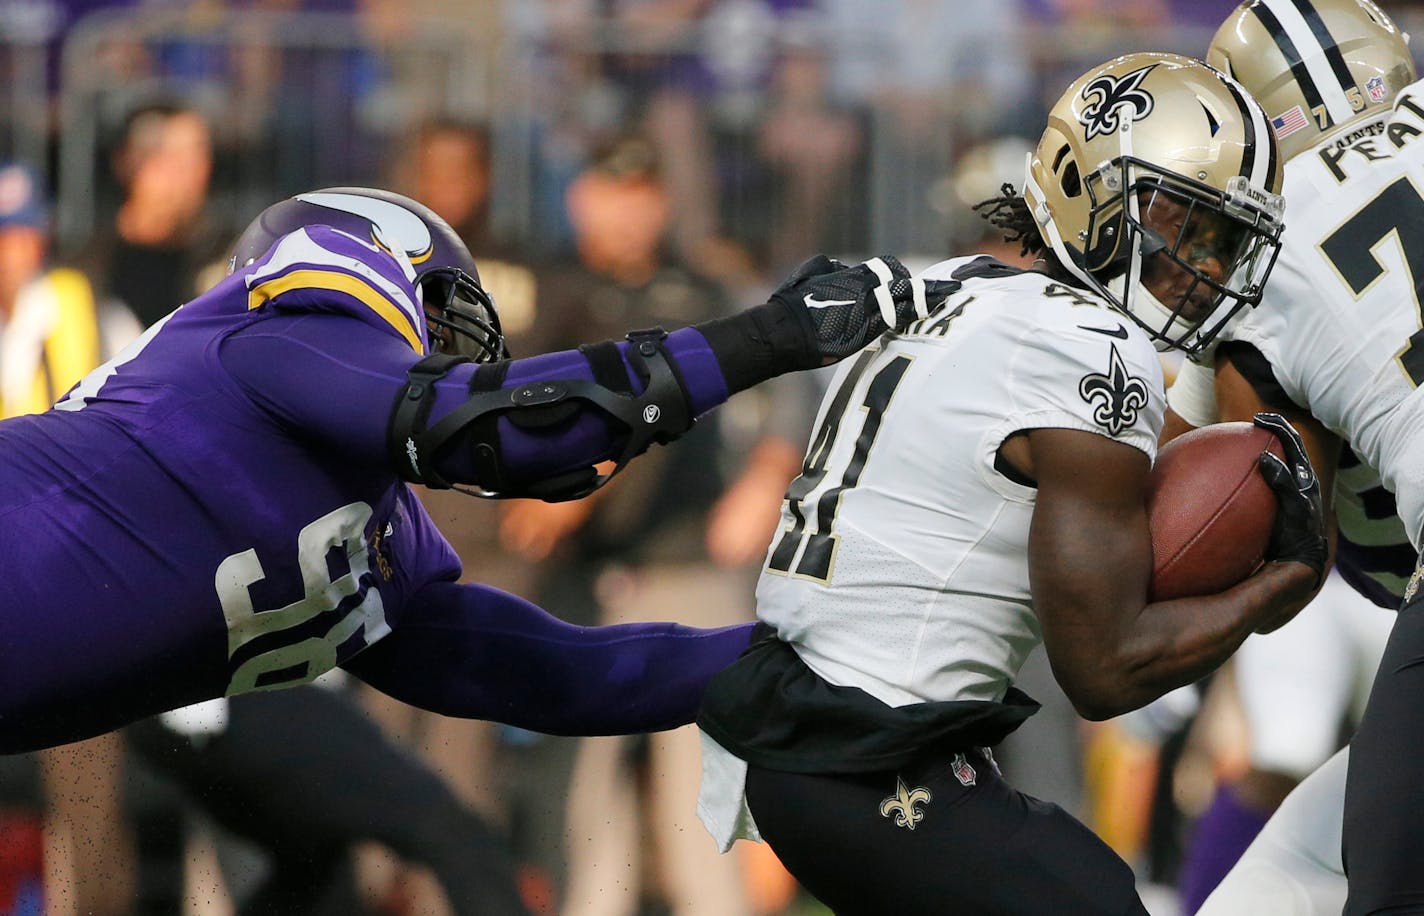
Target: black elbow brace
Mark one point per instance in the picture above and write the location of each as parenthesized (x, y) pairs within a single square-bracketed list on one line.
[(659, 414)]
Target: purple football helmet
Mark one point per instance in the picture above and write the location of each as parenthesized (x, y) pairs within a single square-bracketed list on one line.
[(461, 316)]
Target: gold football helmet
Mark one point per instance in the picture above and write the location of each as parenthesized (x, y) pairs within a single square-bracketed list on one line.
[(1315, 66), (1157, 183)]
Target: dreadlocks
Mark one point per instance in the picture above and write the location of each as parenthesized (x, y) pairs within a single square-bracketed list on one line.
[(1009, 213)]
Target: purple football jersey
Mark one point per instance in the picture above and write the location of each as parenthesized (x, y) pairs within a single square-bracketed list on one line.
[(160, 509), (215, 512)]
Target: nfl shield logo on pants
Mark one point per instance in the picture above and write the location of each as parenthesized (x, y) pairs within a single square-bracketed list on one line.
[(963, 771)]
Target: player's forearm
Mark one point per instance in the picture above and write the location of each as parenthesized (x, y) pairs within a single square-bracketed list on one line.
[(334, 381), (714, 359), (761, 343), (823, 313), (1178, 642), (477, 652), (639, 678), (709, 362), (531, 451)]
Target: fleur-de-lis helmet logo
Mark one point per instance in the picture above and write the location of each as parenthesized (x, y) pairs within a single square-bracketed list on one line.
[(1108, 95), (904, 804), (1118, 397)]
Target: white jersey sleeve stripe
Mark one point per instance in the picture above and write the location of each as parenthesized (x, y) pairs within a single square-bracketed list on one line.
[(299, 248), (339, 282)]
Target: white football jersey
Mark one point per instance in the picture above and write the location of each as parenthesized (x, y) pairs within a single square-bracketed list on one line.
[(1341, 321), (901, 565)]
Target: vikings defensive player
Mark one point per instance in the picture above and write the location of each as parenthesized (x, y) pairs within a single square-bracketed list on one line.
[(223, 507)]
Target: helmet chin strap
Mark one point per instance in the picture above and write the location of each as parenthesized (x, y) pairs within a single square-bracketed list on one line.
[(1137, 300), (1049, 228), (1115, 289), (1149, 311)]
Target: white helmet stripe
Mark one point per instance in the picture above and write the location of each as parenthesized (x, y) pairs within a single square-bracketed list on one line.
[(1259, 166), (1124, 138), (1133, 206), (1313, 58), (1049, 227), (1263, 166)]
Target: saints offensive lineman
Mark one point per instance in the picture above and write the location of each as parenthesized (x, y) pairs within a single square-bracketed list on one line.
[(1336, 345), (977, 484)]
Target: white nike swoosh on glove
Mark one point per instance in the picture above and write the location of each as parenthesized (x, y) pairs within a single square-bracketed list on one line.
[(813, 303)]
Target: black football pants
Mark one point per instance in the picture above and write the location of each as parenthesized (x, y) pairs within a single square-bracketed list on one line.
[(977, 845), (1384, 791)]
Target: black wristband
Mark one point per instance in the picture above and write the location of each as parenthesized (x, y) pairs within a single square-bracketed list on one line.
[(761, 343)]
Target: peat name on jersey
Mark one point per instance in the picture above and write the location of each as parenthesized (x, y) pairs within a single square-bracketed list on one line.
[(1377, 141)]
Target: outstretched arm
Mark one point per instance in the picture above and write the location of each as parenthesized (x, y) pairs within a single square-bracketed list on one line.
[(536, 426), (648, 389), (480, 653)]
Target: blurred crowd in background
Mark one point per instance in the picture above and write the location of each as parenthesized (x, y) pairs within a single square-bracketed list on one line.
[(610, 164)]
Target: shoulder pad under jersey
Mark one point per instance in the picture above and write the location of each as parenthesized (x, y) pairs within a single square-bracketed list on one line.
[(320, 269), (986, 267)]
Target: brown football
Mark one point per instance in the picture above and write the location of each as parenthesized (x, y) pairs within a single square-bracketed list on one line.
[(1210, 510)]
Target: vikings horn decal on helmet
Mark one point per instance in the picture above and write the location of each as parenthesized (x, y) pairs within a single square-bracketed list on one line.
[(1316, 66), (460, 315), (1157, 184)]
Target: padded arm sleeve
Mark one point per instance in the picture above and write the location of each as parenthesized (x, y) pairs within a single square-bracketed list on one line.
[(477, 652), (332, 381)]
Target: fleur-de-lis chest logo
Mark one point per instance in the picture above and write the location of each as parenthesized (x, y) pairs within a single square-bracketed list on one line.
[(903, 806), (1117, 397), (1108, 94)]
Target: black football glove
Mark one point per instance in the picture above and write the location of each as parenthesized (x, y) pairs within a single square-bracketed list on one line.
[(851, 306), (1299, 532)]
